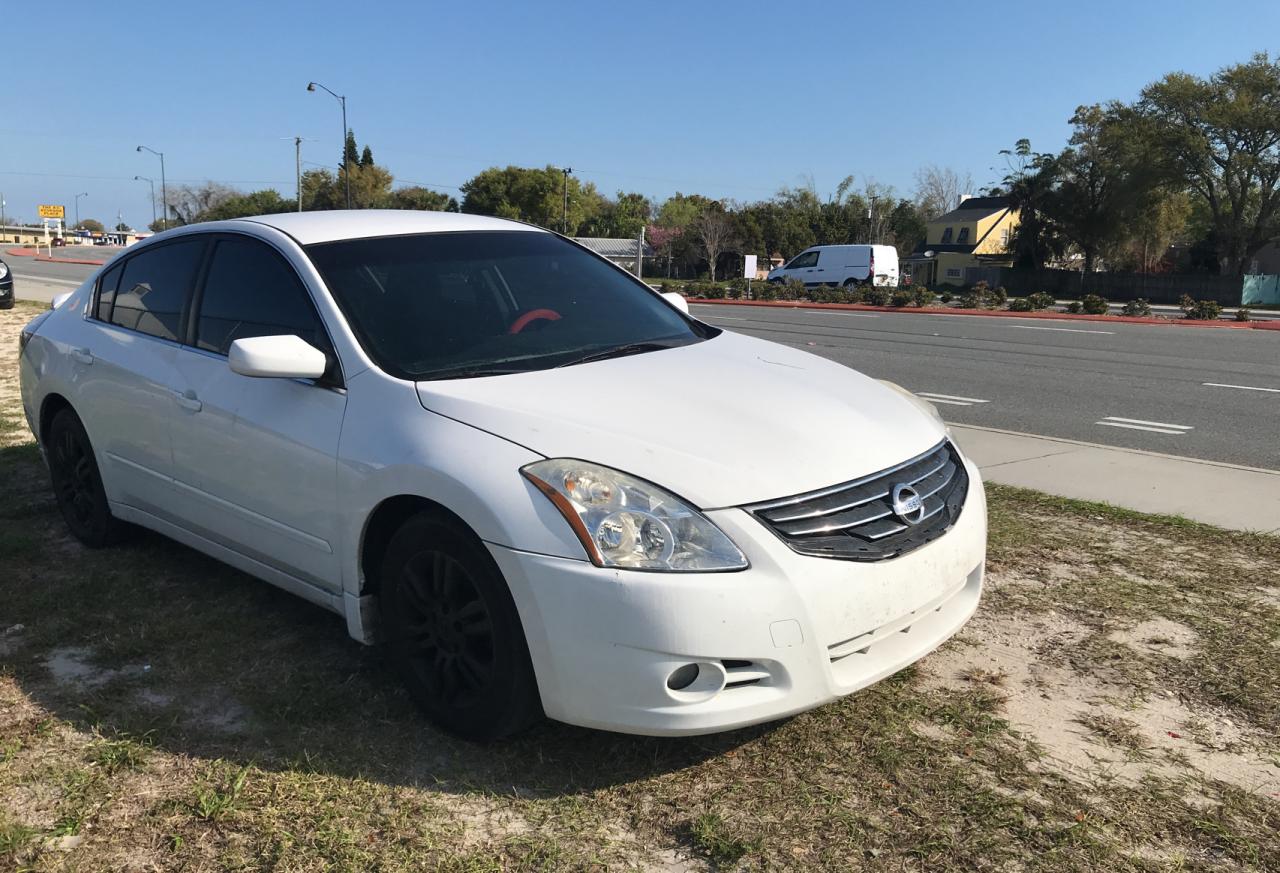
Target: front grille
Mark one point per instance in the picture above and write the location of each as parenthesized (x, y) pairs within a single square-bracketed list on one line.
[(856, 521)]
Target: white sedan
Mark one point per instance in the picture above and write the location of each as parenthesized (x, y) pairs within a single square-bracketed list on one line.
[(545, 488)]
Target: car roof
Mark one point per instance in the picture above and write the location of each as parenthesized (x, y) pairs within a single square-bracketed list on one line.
[(338, 224)]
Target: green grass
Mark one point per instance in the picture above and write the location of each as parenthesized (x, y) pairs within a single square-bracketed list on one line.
[(203, 720)]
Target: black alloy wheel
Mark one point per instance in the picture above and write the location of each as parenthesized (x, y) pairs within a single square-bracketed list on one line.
[(449, 627), (77, 484), (453, 633)]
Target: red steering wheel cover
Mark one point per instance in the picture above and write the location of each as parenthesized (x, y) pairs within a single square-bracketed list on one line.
[(533, 315)]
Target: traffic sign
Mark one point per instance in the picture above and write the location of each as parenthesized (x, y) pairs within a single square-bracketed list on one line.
[(47, 211)]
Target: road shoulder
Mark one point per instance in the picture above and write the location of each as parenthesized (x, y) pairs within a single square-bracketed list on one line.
[(1226, 495)]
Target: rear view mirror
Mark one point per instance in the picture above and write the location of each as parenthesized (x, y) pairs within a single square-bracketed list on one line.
[(677, 300), (276, 357)]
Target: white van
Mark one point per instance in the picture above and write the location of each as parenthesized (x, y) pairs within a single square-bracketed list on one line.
[(841, 265)]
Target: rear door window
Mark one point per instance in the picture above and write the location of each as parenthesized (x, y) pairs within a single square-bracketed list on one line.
[(154, 286), (251, 290), (107, 292)]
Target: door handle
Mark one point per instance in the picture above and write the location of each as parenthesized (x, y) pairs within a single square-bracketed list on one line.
[(84, 356), (188, 400)]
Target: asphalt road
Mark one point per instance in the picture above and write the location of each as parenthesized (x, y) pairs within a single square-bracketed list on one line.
[(39, 276), (1129, 385)]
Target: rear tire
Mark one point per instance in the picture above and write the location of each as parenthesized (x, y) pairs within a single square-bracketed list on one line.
[(77, 483), (453, 633)]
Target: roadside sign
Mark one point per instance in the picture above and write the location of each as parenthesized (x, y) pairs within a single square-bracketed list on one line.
[(749, 266), (47, 211)]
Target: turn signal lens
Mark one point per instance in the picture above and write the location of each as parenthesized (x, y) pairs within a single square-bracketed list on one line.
[(632, 524)]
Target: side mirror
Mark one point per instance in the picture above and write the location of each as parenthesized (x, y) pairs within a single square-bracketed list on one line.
[(677, 300), (276, 357)]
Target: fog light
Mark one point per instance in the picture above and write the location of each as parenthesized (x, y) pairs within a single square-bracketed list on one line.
[(682, 677)]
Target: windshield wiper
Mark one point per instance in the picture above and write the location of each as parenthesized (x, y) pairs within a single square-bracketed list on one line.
[(619, 352), (469, 373)]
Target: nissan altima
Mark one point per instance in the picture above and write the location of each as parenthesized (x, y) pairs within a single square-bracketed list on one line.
[(543, 487)]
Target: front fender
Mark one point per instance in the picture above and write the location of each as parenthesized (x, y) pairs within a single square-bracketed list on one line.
[(391, 446)]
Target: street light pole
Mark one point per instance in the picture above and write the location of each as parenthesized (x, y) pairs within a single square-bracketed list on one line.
[(564, 221), (152, 183), (77, 198), (164, 188), (297, 165), (346, 170)]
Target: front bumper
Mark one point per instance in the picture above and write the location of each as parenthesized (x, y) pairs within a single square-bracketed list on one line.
[(788, 634)]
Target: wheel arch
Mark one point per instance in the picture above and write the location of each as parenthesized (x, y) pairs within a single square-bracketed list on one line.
[(51, 405), (383, 522)]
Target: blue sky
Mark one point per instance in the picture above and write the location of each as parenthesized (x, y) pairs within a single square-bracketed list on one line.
[(727, 99)]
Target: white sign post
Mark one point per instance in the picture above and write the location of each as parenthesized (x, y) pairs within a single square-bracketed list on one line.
[(749, 270)]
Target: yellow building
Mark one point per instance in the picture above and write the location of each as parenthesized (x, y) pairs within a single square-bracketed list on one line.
[(975, 234)]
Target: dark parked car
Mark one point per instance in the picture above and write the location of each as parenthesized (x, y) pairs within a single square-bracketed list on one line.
[(6, 286)]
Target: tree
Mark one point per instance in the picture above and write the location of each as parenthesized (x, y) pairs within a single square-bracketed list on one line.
[(417, 197), (320, 190), (89, 224), (621, 218), (121, 227), (187, 203), (1222, 138), (663, 240), (350, 151), (265, 202), (938, 189), (531, 194), (1092, 200), (366, 157), (1029, 184), (714, 232), (1158, 224), (370, 186)]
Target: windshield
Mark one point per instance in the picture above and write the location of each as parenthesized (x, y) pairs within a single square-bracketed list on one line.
[(480, 303)]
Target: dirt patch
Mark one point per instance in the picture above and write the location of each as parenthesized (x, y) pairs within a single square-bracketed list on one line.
[(1090, 724), (1159, 636)]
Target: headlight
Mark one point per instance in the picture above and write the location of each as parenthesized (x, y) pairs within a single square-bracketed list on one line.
[(4, 269), (631, 524)]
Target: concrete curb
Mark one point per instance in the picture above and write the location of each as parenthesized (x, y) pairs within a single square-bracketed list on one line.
[(987, 313), (31, 253)]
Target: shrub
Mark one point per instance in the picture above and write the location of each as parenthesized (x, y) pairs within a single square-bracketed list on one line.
[(901, 297), (1040, 300), (922, 297), (1020, 304), (1200, 310), (1243, 314), (876, 295), (793, 289), (981, 296), (946, 296), (711, 291), (1074, 307), (1139, 307), (1092, 304), (766, 291), (737, 288)]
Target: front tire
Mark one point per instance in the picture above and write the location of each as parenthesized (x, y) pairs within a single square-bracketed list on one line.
[(77, 483), (453, 633)]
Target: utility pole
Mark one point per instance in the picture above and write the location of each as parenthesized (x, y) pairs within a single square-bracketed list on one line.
[(640, 254), (564, 221), (78, 196), (297, 161), (4, 227)]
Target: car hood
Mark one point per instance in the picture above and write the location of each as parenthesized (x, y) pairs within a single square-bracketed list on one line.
[(723, 422)]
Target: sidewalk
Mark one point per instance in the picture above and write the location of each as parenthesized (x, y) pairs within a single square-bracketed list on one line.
[(1240, 498)]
